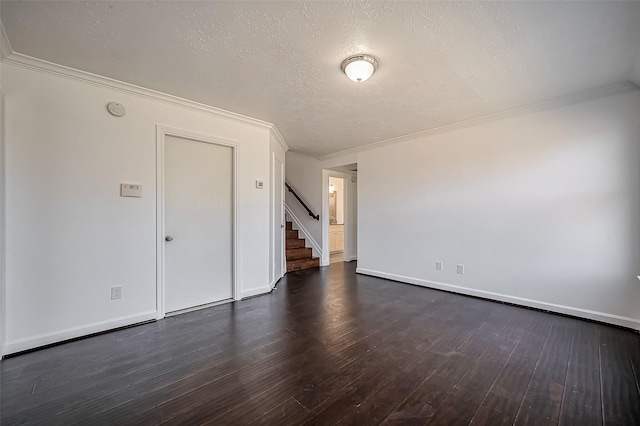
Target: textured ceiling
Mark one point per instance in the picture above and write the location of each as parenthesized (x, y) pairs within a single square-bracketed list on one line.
[(440, 62)]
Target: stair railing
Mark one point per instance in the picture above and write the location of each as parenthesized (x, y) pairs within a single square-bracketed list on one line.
[(313, 215)]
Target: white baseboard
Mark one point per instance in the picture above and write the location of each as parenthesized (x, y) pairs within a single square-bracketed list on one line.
[(562, 309), (274, 283), (20, 345), (255, 292), (199, 307)]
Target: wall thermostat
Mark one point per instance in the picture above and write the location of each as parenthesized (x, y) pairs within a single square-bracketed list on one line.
[(116, 109), (130, 190)]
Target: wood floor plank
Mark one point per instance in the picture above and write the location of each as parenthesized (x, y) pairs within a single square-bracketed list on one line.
[(253, 408), (468, 394), (543, 398), (330, 346), (421, 404), (370, 358), (501, 404), (289, 413), (582, 400), (620, 395), (158, 385), (376, 375), (379, 405)]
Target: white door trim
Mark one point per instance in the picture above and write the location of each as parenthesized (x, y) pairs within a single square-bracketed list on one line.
[(161, 133), (278, 231)]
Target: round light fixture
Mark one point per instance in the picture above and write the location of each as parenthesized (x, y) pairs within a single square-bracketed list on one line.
[(359, 67)]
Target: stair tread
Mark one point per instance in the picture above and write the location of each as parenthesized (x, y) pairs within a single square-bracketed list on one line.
[(302, 260)]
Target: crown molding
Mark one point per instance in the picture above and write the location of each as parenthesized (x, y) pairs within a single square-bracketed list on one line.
[(575, 98), (275, 133), (5, 45), (46, 67), (9, 56)]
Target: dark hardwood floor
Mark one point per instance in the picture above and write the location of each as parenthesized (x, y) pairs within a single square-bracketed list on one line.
[(332, 347)]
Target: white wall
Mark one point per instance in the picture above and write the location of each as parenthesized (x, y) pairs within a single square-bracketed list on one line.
[(542, 209), (70, 237)]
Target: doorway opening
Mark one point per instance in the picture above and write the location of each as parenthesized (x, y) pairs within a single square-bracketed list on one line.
[(340, 214), (336, 219)]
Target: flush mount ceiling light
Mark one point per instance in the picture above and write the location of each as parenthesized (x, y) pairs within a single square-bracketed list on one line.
[(359, 67)]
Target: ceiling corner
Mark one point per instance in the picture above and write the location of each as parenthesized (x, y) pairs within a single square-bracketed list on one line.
[(278, 137)]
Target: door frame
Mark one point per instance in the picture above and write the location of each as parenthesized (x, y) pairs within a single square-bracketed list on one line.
[(161, 133), (278, 230)]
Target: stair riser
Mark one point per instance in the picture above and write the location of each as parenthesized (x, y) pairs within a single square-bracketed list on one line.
[(291, 244), (289, 226), (298, 266), (292, 235), (299, 253)]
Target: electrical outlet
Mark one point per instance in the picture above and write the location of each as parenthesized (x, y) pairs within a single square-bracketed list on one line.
[(438, 266), (460, 269), (116, 292)]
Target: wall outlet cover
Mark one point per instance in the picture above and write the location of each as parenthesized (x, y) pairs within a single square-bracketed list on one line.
[(460, 269), (116, 293)]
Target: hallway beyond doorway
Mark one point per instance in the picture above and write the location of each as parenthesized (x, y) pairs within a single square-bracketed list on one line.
[(337, 257)]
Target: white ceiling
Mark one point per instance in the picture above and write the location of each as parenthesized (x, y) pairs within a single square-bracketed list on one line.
[(440, 62)]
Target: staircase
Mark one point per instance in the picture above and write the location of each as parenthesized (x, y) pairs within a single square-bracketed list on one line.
[(298, 256)]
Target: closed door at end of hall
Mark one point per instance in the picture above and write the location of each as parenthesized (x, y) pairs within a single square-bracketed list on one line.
[(198, 223)]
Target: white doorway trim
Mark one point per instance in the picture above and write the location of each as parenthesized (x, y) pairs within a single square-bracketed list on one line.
[(161, 133), (278, 231), (324, 217)]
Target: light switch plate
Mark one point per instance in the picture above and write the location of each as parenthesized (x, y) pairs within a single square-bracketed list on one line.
[(130, 190), (259, 184)]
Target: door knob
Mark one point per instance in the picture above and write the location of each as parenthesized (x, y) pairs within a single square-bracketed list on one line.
[(168, 238)]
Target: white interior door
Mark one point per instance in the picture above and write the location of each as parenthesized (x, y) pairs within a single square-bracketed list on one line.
[(278, 185), (198, 223)]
